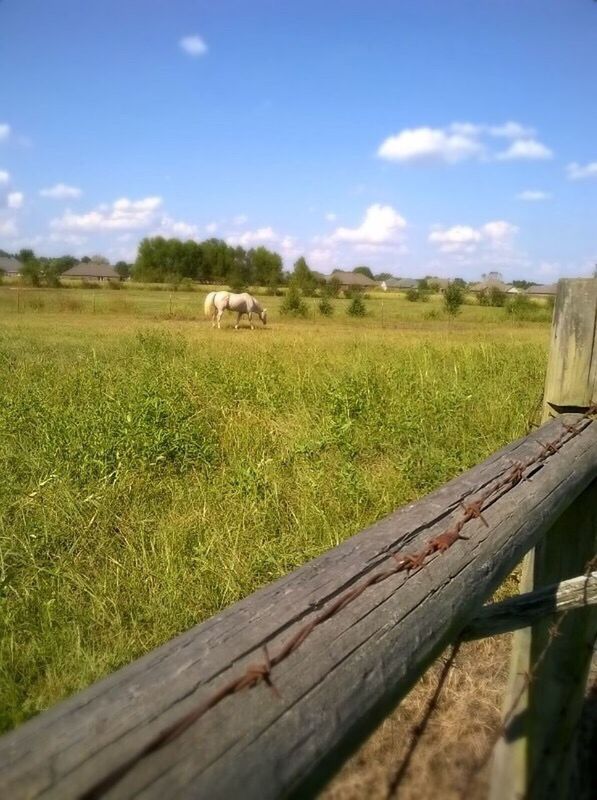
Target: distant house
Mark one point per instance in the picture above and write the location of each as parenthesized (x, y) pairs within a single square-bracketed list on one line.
[(9, 266), (547, 290), (92, 270), (486, 286), (352, 280), (513, 290), (400, 284)]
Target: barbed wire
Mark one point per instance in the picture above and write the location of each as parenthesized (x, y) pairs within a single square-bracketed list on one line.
[(255, 674)]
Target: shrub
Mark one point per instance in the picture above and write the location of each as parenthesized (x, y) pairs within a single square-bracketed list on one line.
[(413, 295), (293, 303), (326, 309), (432, 314), (497, 297), (453, 299), (186, 285), (357, 307), (114, 285), (483, 297)]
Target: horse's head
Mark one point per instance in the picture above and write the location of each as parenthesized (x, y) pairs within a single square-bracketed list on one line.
[(263, 315)]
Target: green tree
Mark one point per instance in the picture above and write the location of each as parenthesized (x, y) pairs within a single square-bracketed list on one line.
[(266, 267), (25, 255), (123, 269), (364, 271), (31, 272), (293, 303), (357, 307), (304, 278), (453, 299)]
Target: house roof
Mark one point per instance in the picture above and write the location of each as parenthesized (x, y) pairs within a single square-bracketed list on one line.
[(480, 287), (352, 278), (402, 283), (9, 265), (551, 288), (90, 270)]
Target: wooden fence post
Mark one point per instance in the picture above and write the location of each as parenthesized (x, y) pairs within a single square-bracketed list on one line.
[(535, 757)]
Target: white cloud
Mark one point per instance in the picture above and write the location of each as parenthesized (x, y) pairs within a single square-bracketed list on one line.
[(578, 172), (240, 219), (193, 46), (4, 176), (458, 237), (123, 214), (512, 130), (61, 191), (178, 229), (528, 149), (253, 238), (532, 195), (211, 227), (8, 227), (4, 131), (496, 234), (381, 225), (460, 141), (431, 144), (15, 199), (331, 217)]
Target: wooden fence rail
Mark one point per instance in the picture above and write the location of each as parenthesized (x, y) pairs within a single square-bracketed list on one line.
[(331, 692)]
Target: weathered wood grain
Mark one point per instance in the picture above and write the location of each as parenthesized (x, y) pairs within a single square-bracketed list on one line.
[(526, 609), (571, 383), (334, 690)]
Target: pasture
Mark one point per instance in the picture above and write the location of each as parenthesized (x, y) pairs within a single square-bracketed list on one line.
[(155, 470)]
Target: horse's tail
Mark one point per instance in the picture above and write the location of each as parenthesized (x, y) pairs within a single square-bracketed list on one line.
[(209, 305)]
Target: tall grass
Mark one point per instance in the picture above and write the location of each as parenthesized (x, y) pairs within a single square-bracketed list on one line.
[(150, 479)]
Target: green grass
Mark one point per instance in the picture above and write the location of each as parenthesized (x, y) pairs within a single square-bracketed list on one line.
[(155, 471)]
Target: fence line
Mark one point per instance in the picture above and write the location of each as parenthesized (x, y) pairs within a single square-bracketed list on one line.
[(257, 673), (382, 618)]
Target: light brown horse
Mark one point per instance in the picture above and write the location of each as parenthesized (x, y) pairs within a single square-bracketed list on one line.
[(217, 302)]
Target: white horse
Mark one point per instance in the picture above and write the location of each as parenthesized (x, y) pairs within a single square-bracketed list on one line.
[(217, 302)]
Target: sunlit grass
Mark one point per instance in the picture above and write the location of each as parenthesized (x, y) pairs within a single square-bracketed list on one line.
[(155, 470)]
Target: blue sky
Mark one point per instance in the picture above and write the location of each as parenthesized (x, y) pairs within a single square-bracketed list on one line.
[(414, 136)]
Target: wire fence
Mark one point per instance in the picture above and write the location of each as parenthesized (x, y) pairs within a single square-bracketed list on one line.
[(394, 562)]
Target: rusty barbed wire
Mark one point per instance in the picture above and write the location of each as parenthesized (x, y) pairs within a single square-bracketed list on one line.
[(255, 674)]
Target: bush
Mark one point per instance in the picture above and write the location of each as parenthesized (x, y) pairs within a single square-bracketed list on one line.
[(497, 297), (114, 285), (453, 299), (432, 314), (186, 285), (357, 307), (413, 295), (326, 309), (293, 303)]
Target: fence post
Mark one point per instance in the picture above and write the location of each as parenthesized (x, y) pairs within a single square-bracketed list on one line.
[(535, 757)]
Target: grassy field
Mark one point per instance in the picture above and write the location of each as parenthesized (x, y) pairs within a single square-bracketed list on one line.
[(155, 470)]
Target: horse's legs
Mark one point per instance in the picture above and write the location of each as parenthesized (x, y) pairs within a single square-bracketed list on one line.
[(250, 315), (238, 319), (220, 312), (213, 317)]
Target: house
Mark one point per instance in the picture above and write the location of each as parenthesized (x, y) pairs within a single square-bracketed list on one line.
[(352, 280), (399, 284), (9, 266), (514, 290), (486, 286), (547, 290), (92, 270)]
